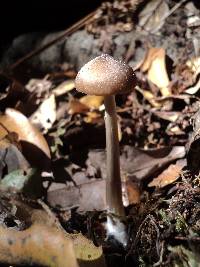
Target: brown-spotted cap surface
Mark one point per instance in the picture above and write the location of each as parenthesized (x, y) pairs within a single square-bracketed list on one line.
[(105, 76)]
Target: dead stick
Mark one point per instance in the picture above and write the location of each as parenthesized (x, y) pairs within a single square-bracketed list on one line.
[(67, 32)]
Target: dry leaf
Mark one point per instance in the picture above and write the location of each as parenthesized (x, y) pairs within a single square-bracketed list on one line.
[(34, 145), (151, 17), (193, 89), (130, 193), (64, 87), (168, 115), (75, 106), (156, 67), (194, 65), (11, 158), (65, 197), (91, 101), (39, 244), (149, 97), (168, 176), (45, 115), (92, 117)]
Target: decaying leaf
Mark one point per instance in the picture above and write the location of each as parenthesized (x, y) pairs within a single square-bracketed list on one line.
[(11, 158), (45, 115), (137, 164), (140, 164), (28, 182), (38, 244), (88, 196), (168, 176), (155, 65), (34, 145)]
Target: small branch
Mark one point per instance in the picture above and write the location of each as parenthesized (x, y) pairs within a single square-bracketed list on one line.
[(81, 23)]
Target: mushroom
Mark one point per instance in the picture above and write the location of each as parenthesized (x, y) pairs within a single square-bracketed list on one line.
[(106, 77)]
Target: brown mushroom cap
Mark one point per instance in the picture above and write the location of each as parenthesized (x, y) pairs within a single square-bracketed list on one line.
[(105, 76)]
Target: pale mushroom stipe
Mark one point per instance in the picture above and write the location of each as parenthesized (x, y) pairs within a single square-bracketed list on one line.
[(106, 76)]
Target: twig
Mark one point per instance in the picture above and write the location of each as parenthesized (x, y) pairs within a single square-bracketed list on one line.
[(67, 32), (171, 11)]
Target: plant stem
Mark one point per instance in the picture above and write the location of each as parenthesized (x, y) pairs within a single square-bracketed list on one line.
[(113, 183)]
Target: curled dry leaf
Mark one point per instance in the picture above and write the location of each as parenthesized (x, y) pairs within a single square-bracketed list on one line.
[(34, 145), (155, 65), (39, 244), (168, 176), (14, 121)]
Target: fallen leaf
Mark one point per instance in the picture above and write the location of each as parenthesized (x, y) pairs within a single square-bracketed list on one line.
[(11, 158), (169, 175), (64, 87), (75, 106), (14, 121), (130, 193), (87, 197), (91, 101), (45, 115), (168, 115), (34, 145), (149, 97), (28, 182), (194, 65), (193, 89), (39, 245), (92, 117), (151, 16), (137, 164), (156, 66)]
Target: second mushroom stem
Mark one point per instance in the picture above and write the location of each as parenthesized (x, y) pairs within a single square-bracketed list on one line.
[(113, 184)]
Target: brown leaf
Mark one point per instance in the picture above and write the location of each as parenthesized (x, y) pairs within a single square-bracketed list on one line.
[(168, 176), (130, 192), (64, 197), (137, 163), (64, 87), (91, 101), (156, 67), (34, 145), (39, 245), (75, 106), (149, 97)]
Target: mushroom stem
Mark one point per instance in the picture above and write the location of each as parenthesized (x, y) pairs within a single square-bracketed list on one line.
[(113, 184)]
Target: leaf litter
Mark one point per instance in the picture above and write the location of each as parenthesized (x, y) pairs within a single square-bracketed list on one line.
[(52, 147)]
